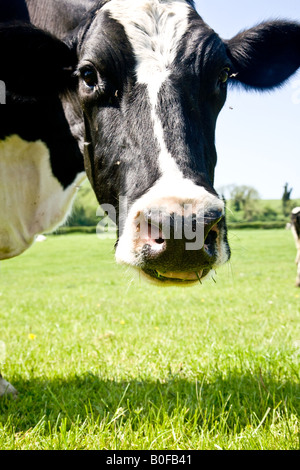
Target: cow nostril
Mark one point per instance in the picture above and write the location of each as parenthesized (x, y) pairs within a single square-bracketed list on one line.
[(194, 224), (210, 240), (152, 235)]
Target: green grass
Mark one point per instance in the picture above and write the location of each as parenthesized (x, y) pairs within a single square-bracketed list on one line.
[(104, 362)]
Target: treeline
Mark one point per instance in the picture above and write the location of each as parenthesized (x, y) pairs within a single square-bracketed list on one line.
[(84, 209), (245, 208)]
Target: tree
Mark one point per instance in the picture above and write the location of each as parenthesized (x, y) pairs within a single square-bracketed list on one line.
[(244, 199), (286, 200), (241, 196), (85, 208)]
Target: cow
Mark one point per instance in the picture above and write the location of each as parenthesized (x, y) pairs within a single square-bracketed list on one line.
[(141, 84), (295, 225), (41, 166)]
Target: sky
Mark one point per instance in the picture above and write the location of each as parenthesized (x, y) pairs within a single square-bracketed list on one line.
[(258, 140)]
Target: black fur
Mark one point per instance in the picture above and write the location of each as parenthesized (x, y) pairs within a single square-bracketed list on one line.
[(35, 67), (13, 10), (33, 62), (265, 56)]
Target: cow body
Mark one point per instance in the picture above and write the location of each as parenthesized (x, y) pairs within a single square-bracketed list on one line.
[(133, 88), (295, 220), (41, 165), (38, 198)]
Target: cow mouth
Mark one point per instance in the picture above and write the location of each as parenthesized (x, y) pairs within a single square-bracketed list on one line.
[(176, 278)]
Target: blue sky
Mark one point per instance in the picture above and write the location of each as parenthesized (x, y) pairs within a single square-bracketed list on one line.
[(258, 141)]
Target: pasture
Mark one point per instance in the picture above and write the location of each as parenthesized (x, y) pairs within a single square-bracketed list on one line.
[(104, 362)]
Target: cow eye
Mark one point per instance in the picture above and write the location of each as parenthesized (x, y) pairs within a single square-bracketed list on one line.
[(90, 78), (224, 76)]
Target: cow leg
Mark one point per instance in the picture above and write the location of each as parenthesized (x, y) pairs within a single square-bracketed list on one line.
[(297, 260), (298, 274), (6, 388)]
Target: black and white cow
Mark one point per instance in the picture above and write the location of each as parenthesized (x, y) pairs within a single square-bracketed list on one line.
[(295, 221), (142, 83), (41, 165)]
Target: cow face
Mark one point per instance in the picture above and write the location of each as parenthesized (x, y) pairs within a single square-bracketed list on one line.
[(152, 80)]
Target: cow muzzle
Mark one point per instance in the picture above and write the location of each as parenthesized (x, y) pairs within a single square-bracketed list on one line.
[(175, 242)]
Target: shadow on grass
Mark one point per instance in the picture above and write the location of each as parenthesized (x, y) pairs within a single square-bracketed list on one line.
[(238, 396)]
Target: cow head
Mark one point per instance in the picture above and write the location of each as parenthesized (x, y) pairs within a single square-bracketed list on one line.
[(151, 78)]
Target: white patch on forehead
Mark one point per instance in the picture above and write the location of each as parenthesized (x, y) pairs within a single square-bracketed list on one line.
[(32, 200), (155, 29)]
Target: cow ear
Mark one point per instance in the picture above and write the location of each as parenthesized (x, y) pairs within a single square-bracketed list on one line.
[(265, 56), (33, 62)]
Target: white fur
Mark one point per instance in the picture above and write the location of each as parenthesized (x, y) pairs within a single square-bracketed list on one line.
[(155, 29), (32, 200), (296, 210)]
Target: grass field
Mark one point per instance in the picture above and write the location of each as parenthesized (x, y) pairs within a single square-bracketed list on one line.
[(104, 362)]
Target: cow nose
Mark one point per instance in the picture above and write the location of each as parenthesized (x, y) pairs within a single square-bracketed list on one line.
[(150, 231), (178, 246)]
